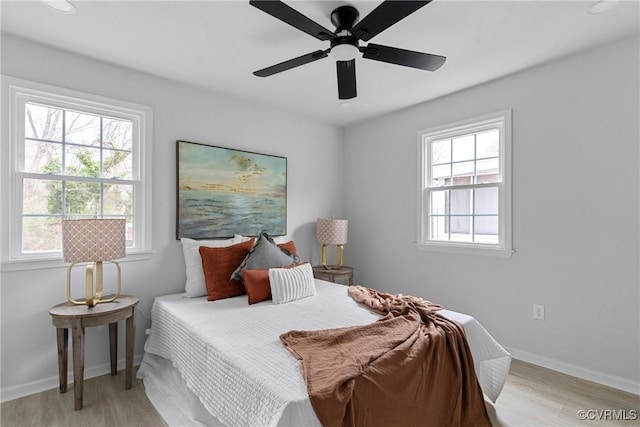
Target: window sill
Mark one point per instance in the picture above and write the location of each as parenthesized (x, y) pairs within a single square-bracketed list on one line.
[(465, 249), (56, 262)]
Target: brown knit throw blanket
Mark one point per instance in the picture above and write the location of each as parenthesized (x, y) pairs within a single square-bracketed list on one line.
[(412, 367)]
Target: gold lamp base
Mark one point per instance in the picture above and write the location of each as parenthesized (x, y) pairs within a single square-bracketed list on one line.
[(91, 298), (340, 255)]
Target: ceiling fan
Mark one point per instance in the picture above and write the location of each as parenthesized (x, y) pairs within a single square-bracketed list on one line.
[(345, 40)]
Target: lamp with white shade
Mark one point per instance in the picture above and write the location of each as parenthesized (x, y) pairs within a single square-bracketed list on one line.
[(93, 241), (332, 231)]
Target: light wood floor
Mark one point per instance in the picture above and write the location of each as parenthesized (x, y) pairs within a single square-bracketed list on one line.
[(105, 404), (533, 396)]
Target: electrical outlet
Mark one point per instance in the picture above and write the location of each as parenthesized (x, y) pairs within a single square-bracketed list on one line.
[(538, 311), (147, 331)]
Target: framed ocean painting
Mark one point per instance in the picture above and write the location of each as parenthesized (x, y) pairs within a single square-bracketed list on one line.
[(222, 192)]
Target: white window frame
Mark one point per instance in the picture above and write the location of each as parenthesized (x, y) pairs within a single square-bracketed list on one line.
[(17, 92), (503, 248)]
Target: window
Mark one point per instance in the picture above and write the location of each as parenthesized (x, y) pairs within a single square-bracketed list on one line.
[(73, 156), (464, 190)]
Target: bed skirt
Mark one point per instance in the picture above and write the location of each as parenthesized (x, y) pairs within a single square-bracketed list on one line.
[(179, 406)]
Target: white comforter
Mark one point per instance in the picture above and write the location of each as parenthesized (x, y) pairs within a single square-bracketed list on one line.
[(230, 356)]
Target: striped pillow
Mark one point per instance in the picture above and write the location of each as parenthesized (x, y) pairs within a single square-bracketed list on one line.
[(290, 284)]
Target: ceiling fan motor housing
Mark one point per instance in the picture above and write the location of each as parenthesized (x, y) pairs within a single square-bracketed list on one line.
[(344, 17)]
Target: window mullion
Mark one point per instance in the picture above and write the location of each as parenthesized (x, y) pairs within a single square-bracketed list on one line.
[(474, 180), (64, 199), (467, 186), (56, 177), (101, 148), (448, 195), (450, 161), (475, 158), (64, 141), (472, 216), (102, 172), (425, 214)]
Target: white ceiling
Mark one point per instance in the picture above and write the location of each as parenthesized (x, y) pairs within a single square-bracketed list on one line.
[(218, 44)]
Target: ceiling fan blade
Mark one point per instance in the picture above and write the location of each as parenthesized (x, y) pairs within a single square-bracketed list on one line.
[(346, 79), (292, 17), (292, 63), (408, 58), (384, 16)]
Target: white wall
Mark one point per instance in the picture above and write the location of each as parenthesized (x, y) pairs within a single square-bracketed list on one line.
[(575, 214), (576, 197), (29, 358)]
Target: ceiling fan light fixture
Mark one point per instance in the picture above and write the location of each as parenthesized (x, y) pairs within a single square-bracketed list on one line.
[(344, 52), (62, 6)]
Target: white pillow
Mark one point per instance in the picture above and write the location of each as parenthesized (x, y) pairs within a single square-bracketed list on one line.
[(239, 238), (195, 286), (290, 284)]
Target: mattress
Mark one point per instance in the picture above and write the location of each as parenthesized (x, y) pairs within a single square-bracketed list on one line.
[(228, 357)]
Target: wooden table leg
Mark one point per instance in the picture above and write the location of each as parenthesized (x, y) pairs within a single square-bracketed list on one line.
[(113, 347), (77, 331), (131, 330), (63, 351)]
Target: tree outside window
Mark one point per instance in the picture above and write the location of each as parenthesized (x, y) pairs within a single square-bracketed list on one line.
[(77, 165)]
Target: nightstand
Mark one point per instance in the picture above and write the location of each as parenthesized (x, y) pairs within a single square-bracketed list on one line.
[(67, 316), (319, 272)]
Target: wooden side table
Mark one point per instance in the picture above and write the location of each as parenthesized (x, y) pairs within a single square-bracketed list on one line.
[(67, 316), (319, 272)]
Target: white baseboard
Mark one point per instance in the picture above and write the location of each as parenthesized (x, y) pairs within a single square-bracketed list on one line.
[(21, 390), (576, 371)]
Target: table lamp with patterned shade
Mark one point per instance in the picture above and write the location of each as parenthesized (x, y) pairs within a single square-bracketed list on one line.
[(94, 241), (332, 231)]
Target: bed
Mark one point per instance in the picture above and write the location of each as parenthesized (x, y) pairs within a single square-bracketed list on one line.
[(222, 363)]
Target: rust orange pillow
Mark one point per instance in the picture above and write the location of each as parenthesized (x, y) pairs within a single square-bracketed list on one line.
[(289, 247), (256, 283), (218, 264)]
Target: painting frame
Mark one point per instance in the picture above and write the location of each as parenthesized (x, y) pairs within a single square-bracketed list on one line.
[(221, 192)]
